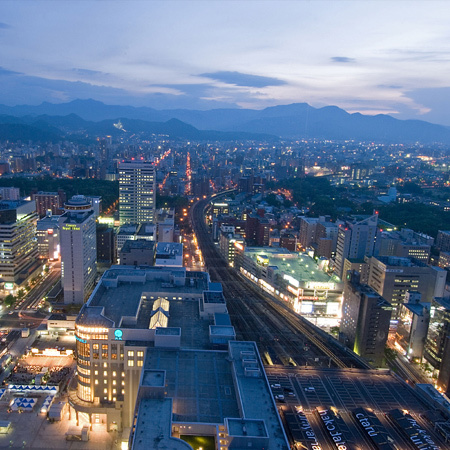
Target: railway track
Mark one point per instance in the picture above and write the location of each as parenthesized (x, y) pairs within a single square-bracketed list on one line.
[(281, 335)]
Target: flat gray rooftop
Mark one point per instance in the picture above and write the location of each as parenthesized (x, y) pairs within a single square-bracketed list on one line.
[(153, 429), (256, 397), (244, 427), (125, 299), (153, 378), (200, 383)]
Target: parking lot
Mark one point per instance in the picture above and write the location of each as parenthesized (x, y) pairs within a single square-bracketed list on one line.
[(301, 393)]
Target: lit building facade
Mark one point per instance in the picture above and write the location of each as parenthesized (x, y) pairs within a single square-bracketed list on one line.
[(365, 319), (137, 190), (393, 276), (48, 237), (356, 239), (78, 250), (18, 244)]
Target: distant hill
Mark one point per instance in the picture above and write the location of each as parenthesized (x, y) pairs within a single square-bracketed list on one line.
[(298, 120), (21, 132), (73, 127)]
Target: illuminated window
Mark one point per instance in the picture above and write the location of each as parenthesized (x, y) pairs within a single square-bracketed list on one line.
[(130, 353), (130, 363)]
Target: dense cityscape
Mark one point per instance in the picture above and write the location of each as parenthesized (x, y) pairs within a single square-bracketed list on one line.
[(224, 225), (242, 293)]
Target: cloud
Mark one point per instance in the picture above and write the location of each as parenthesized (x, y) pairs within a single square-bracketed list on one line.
[(342, 59), (243, 79), (4, 26), (4, 71), (87, 72), (389, 86)]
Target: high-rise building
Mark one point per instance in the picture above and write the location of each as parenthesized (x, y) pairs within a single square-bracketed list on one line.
[(10, 193), (356, 239), (437, 345), (106, 245), (48, 237), (365, 319), (443, 240), (78, 250), (392, 277), (18, 245), (413, 324), (137, 190), (49, 201)]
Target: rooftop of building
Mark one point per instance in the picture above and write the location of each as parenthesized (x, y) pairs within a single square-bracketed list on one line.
[(128, 228), (256, 397), (169, 250), (417, 308), (146, 229), (139, 244), (48, 222), (199, 382), (153, 430), (129, 304), (299, 266), (444, 302), (76, 216), (398, 261), (12, 204)]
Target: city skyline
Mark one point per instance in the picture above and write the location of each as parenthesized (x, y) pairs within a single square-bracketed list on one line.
[(368, 57)]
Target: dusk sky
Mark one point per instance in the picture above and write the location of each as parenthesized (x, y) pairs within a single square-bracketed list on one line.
[(380, 56)]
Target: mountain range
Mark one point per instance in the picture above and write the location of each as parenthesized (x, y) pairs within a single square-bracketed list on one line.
[(91, 118)]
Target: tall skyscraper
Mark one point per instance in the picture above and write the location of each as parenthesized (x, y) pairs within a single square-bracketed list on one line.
[(137, 190), (78, 250), (356, 238), (365, 319)]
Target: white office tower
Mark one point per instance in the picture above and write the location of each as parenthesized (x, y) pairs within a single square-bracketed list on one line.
[(78, 250), (137, 190)]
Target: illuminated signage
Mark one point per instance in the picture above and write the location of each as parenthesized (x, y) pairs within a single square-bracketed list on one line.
[(50, 231), (335, 428), (71, 227), (80, 340), (308, 432), (9, 286), (320, 286), (262, 260), (291, 280), (118, 335)]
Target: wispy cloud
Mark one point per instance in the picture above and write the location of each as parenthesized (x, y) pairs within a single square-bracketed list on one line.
[(4, 26), (4, 71), (87, 72), (243, 79), (342, 59)]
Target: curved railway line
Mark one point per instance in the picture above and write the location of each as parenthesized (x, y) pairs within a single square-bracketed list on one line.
[(283, 337)]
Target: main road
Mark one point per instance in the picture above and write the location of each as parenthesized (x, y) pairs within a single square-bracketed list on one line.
[(283, 337)]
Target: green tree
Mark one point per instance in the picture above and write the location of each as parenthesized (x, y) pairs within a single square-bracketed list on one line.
[(9, 300)]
